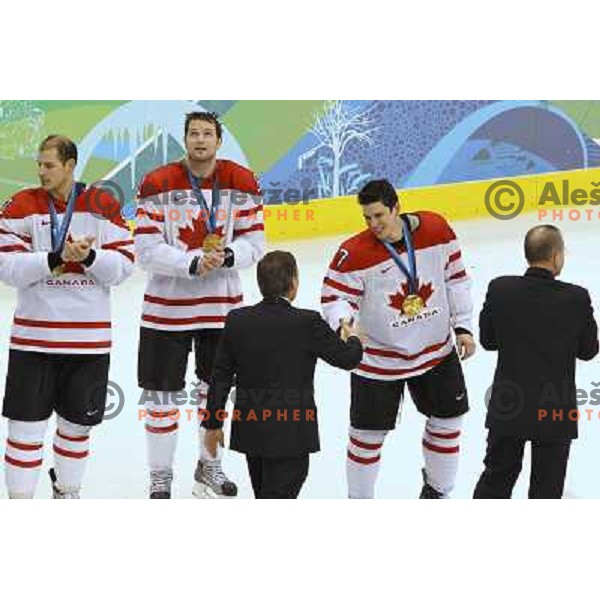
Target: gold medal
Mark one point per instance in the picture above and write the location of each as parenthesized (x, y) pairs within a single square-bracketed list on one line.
[(211, 242), (412, 305)]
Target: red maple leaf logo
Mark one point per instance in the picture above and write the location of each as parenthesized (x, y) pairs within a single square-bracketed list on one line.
[(424, 292), (193, 236)]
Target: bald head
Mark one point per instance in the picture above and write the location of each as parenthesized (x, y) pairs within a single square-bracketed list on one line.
[(544, 246)]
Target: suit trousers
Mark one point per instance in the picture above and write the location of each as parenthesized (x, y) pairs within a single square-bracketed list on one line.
[(277, 477), (504, 459)]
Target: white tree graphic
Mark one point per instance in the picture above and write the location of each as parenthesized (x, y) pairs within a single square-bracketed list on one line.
[(335, 129)]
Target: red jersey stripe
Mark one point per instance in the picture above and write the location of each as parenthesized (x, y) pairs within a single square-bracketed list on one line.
[(458, 275), (394, 354), (342, 288), (14, 248), (186, 321), (256, 227), (193, 301), (117, 244), (146, 230), (54, 344), (380, 371), (62, 324)]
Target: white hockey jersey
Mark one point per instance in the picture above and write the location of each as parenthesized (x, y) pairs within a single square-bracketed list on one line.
[(364, 281), (69, 314), (170, 231)]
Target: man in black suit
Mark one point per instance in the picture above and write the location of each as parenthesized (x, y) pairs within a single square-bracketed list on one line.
[(539, 326), (271, 350)]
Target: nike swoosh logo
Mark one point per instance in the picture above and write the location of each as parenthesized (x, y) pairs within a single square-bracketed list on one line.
[(91, 413), (385, 270)]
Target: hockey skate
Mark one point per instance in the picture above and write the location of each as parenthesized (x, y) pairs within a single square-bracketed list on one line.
[(160, 485), (428, 492), (57, 493), (210, 482)]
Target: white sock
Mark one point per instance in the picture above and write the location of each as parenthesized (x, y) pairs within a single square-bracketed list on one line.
[(71, 449), (24, 456), (440, 451), (203, 453), (162, 427), (362, 463)]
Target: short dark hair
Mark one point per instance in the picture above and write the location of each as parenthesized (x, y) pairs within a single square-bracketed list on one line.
[(65, 147), (275, 273), (209, 117), (378, 190), (542, 242)]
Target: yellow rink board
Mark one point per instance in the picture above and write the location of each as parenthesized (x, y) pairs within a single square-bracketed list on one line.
[(456, 201)]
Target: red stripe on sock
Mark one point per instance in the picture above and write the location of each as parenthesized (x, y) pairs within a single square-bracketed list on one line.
[(364, 445), (440, 449), (363, 461), (23, 446), (443, 436), (83, 438), (168, 429), (22, 464), (69, 453)]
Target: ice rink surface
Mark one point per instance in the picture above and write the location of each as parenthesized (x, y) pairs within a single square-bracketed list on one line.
[(491, 248)]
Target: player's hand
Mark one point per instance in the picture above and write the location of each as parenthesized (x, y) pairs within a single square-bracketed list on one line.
[(213, 438), (210, 261), (77, 250), (216, 258), (347, 329), (465, 345)]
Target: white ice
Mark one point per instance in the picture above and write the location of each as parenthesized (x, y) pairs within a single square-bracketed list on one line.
[(117, 467)]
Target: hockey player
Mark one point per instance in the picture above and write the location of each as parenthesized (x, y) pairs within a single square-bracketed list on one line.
[(61, 247), (199, 221), (404, 278)]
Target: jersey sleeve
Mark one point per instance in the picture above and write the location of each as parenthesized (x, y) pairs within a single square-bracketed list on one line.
[(248, 243), (19, 265), (343, 289), (115, 259), (458, 285)]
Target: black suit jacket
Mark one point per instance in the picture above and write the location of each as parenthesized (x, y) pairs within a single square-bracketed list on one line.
[(539, 326), (271, 349)]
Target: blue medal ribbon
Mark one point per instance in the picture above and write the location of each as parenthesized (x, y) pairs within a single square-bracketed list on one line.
[(211, 222), (411, 270), (59, 232)]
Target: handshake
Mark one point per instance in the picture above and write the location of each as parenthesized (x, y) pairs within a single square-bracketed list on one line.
[(77, 250), (348, 329)]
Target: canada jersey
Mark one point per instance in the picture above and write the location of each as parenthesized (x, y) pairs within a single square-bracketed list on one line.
[(171, 226), (363, 280), (69, 314)]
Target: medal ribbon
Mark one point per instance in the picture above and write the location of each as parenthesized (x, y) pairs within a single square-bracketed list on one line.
[(211, 222), (59, 233), (411, 270)]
